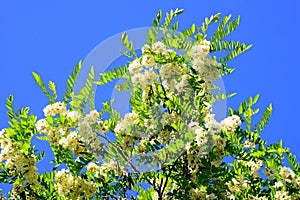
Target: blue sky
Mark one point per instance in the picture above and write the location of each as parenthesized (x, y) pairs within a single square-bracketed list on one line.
[(50, 37)]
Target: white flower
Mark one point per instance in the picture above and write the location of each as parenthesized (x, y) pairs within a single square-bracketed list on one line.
[(278, 184), (148, 77), (287, 174), (198, 64), (145, 48), (92, 167), (73, 114), (167, 53), (155, 196), (249, 145), (55, 108), (120, 128), (131, 118), (183, 83), (297, 183), (230, 123), (209, 117), (63, 142), (70, 141), (137, 78), (201, 50), (135, 66), (2, 133), (282, 195), (147, 60), (42, 126), (211, 196), (158, 47), (92, 117), (214, 127), (169, 71), (200, 136)]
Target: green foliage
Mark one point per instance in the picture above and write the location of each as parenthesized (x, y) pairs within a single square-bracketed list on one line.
[(292, 160), (265, 119), (38, 80), (170, 16), (213, 19), (153, 33), (71, 82), (109, 76), (233, 48), (129, 46), (46, 181), (225, 28), (10, 107), (169, 125), (86, 95), (123, 86)]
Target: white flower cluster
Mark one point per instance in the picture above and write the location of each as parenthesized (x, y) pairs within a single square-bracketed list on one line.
[(206, 139), (17, 161), (92, 167), (184, 84), (62, 134), (144, 71), (148, 77), (282, 195), (72, 187), (55, 108), (70, 141), (201, 136), (207, 67), (51, 132), (112, 166), (168, 118), (130, 119), (174, 77), (286, 176), (230, 123), (88, 134), (75, 115), (213, 127), (158, 47), (197, 193), (254, 167)]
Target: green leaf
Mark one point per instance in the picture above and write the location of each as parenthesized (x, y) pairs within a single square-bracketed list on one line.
[(9, 105), (109, 76), (52, 87), (85, 95), (225, 28), (123, 86), (170, 16), (129, 46), (265, 119), (157, 19), (208, 21), (71, 82), (38, 80)]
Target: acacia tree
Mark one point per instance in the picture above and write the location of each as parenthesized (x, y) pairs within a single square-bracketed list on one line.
[(169, 146)]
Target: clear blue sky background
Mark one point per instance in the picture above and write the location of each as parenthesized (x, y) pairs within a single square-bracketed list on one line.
[(50, 37)]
